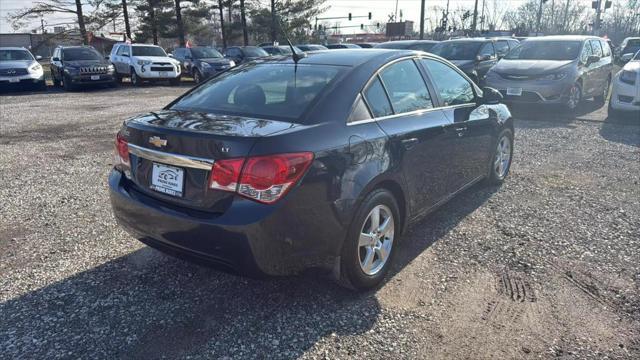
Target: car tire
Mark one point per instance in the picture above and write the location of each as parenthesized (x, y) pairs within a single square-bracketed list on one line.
[(197, 77), (66, 84), (501, 159), (135, 79), (56, 83), (175, 82), (42, 85), (612, 113), (118, 78), (574, 98), (364, 265), (601, 99)]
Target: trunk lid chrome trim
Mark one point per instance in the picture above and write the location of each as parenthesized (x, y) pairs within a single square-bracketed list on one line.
[(171, 159)]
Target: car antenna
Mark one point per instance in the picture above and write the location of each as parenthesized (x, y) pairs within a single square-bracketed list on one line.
[(296, 56)]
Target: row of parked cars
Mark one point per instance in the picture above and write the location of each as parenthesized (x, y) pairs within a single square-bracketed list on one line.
[(549, 70)]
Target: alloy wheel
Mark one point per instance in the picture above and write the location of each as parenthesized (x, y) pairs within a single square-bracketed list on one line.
[(376, 240), (503, 157), (574, 97), (197, 77)]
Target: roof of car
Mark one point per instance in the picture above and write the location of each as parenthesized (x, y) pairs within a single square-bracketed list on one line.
[(345, 57), (562, 38), (123, 43), (13, 48), (469, 40)]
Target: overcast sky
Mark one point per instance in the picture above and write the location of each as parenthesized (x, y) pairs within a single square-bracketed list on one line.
[(380, 10)]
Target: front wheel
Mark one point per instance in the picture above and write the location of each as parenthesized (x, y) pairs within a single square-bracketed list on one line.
[(574, 97), (501, 160), (175, 82), (369, 246), (197, 77), (135, 79), (605, 93), (66, 84)]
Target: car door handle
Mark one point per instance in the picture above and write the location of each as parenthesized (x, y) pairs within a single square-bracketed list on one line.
[(409, 143)]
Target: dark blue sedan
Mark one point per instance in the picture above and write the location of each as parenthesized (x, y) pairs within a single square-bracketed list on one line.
[(276, 166)]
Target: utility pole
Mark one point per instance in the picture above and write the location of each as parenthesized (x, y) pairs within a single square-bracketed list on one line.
[(42, 24), (395, 17), (566, 17), (180, 23), (125, 13), (221, 10), (422, 20), (482, 16), (553, 15), (596, 24), (475, 17), (243, 20)]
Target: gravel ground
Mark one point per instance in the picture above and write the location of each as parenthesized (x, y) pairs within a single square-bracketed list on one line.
[(545, 266)]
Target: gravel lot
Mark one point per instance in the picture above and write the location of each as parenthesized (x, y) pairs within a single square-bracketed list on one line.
[(547, 265)]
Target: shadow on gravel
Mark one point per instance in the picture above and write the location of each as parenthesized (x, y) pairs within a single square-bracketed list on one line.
[(553, 115), (623, 129), (149, 305)]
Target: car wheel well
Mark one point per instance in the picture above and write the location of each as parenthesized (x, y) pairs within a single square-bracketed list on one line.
[(395, 189)]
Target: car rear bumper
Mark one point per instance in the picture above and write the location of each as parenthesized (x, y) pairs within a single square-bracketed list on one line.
[(251, 238)]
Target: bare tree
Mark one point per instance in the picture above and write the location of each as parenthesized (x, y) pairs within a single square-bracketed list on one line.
[(47, 7), (221, 10), (125, 14)]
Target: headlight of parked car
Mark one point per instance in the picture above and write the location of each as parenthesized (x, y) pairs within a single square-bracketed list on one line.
[(556, 76), (35, 68), (628, 77), (70, 70), (144, 62), (111, 68), (232, 63), (206, 65)]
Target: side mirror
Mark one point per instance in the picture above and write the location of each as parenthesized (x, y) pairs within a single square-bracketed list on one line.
[(592, 59), (107, 57), (170, 55), (483, 57), (125, 54), (55, 59), (626, 57), (491, 96), (38, 57)]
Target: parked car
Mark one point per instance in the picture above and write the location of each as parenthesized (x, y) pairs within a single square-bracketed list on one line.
[(311, 47), (367, 45), (242, 54), (628, 48), (18, 67), (561, 69), (474, 56), (342, 46), (74, 66), (503, 45), (625, 92), (143, 62), (279, 50), (275, 168), (201, 62), (422, 45)]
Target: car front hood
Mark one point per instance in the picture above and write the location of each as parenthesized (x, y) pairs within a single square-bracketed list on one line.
[(81, 63), (462, 63), (529, 67), (155, 59), (16, 64), (216, 61)]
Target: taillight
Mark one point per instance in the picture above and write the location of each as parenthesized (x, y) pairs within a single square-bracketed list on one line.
[(261, 178), (122, 152)]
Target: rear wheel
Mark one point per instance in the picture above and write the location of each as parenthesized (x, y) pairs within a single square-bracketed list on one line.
[(501, 160), (175, 82), (66, 84), (369, 246), (56, 83)]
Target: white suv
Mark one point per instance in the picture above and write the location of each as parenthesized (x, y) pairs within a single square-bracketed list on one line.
[(142, 62)]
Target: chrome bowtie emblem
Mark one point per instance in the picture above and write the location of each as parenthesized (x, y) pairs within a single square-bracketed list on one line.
[(154, 140)]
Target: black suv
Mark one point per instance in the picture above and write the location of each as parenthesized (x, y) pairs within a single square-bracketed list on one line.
[(242, 54), (474, 56), (201, 62), (72, 66)]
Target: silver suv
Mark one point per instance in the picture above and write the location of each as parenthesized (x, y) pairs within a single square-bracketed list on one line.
[(142, 62), (554, 70)]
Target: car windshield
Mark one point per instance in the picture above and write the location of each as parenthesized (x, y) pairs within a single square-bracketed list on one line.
[(545, 50), (632, 46), (269, 91), (457, 50), (394, 45), (9, 55), (148, 51), (252, 51), (637, 57), (205, 53), (74, 54)]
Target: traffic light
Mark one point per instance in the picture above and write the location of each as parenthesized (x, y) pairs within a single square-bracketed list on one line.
[(370, 14), (594, 4), (349, 16), (607, 4), (361, 26)]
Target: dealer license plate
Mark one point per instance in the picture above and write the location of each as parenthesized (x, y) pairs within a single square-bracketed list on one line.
[(514, 91), (167, 179), (95, 77), (14, 80), (164, 74)]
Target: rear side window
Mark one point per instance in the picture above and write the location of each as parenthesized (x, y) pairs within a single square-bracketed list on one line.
[(422, 47), (269, 91), (377, 99), (122, 50), (452, 87), (606, 50), (502, 48), (586, 52), (359, 112), (595, 46), (406, 88), (487, 49)]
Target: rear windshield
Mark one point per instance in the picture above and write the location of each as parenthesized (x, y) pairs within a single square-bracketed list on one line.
[(205, 53), (269, 91), (457, 50), (394, 45), (545, 50), (81, 54), (632, 46), (148, 51), (9, 55), (252, 51)]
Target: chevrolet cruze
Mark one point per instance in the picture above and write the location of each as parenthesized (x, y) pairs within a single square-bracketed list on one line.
[(284, 164)]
